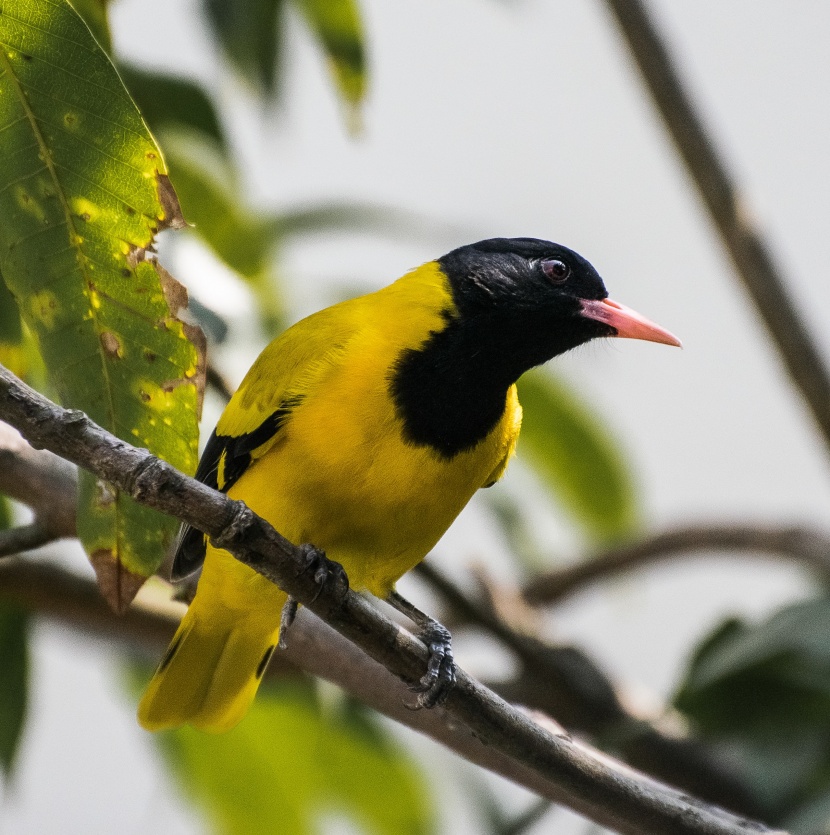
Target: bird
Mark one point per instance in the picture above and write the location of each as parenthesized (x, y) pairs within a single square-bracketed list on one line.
[(365, 429)]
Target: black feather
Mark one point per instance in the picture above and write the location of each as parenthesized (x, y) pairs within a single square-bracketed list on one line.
[(191, 545)]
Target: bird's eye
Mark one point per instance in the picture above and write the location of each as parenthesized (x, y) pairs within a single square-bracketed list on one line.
[(556, 270)]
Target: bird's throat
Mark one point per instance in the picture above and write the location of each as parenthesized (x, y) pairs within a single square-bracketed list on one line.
[(451, 392)]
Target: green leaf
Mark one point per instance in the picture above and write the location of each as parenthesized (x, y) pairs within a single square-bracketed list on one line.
[(14, 663), (794, 636), (290, 761), (338, 28), (250, 32), (94, 13), (168, 101), (210, 200), (575, 457), (83, 191), (762, 692)]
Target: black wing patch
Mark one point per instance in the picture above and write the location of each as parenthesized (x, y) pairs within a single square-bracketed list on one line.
[(234, 455)]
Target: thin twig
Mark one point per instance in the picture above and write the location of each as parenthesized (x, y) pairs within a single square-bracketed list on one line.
[(574, 775), (25, 538), (809, 547), (751, 255)]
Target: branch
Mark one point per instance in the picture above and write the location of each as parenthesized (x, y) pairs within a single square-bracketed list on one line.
[(43, 482), (750, 254), (561, 681), (564, 682), (565, 771), (315, 647), (808, 547)]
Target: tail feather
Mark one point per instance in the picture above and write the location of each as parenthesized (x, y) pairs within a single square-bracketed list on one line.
[(211, 672)]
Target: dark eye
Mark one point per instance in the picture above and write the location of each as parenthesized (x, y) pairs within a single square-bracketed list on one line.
[(556, 270)]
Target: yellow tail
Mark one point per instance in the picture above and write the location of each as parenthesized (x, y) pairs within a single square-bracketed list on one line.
[(212, 669)]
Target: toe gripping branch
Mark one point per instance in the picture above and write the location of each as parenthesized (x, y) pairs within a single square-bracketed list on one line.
[(325, 570), (436, 683)]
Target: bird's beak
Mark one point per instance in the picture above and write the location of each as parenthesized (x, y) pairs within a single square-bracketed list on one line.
[(626, 322)]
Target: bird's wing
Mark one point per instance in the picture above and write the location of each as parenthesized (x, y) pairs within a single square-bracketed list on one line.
[(275, 385)]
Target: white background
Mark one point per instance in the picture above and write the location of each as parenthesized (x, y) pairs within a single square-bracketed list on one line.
[(502, 119)]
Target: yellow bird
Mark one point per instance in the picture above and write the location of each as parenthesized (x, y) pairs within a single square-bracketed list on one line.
[(365, 429)]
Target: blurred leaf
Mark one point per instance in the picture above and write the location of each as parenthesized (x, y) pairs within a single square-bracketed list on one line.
[(575, 457), (338, 27), (14, 662), (94, 13), (289, 762), (517, 529), (82, 193), (762, 692), (250, 32), (364, 217), (210, 200), (791, 650), (168, 101)]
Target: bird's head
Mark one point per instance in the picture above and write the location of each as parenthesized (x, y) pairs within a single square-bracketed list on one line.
[(544, 297)]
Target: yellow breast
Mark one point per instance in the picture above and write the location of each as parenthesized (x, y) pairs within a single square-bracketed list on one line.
[(341, 474)]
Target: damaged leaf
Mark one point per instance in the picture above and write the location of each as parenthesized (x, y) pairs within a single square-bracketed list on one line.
[(83, 193)]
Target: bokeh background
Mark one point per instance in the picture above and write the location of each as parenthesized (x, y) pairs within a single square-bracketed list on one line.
[(482, 119)]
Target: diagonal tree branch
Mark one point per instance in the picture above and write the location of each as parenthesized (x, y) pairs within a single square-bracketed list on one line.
[(573, 774), (558, 680), (803, 545), (751, 255)]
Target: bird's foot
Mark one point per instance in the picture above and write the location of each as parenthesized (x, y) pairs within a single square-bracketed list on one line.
[(325, 570), (436, 683), (438, 680)]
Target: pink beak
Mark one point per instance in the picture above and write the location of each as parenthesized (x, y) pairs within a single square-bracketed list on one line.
[(626, 322)]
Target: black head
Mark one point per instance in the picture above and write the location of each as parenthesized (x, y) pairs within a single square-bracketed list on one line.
[(518, 302), (527, 293)]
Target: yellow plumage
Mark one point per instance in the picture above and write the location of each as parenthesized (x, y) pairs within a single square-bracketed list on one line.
[(338, 474), (364, 430)]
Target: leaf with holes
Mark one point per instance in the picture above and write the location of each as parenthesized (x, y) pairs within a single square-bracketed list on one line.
[(83, 192), (575, 457)]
